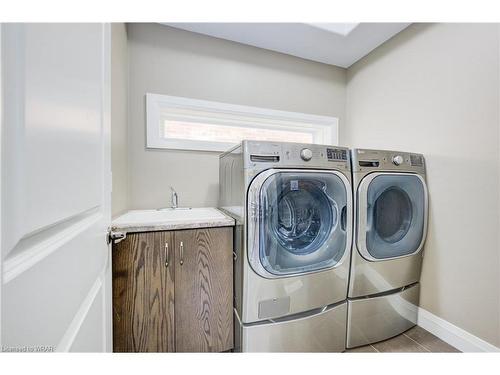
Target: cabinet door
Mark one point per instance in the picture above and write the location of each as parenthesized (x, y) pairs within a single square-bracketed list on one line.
[(204, 289), (143, 293)]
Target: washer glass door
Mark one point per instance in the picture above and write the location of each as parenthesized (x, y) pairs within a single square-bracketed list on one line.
[(303, 222), (395, 215)]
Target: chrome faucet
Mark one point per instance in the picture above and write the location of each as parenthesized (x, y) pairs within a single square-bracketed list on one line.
[(174, 198)]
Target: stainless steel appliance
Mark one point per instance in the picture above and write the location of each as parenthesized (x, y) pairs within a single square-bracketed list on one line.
[(293, 209), (391, 210)]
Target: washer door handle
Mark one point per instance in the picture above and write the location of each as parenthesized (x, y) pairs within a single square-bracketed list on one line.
[(343, 218)]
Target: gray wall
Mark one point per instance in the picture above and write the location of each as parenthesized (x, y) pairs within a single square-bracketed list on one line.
[(435, 89), (164, 60), (119, 153)]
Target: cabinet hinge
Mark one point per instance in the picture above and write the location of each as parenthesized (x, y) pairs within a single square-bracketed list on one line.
[(115, 236)]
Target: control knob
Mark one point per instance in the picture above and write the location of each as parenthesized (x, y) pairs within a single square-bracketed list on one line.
[(397, 160), (306, 154)]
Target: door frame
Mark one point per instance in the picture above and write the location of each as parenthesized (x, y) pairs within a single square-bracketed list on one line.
[(361, 217), (107, 277)]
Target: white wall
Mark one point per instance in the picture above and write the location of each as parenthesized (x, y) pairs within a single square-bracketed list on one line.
[(119, 82), (164, 60), (435, 89)]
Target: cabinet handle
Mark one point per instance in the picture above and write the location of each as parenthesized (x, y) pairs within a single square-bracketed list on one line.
[(182, 253), (166, 254)]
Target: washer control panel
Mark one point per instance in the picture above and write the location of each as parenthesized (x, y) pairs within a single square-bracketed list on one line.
[(265, 154)]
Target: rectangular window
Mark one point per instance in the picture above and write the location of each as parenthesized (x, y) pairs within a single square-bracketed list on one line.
[(189, 124)]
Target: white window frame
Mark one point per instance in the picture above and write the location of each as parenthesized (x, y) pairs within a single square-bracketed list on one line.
[(324, 128)]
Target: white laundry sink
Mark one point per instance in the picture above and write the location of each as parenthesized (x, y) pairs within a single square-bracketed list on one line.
[(170, 219)]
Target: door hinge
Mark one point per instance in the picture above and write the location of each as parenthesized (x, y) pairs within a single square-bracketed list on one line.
[(115, 236)]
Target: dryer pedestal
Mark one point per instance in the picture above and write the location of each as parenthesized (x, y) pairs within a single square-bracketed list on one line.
[(373, 319)]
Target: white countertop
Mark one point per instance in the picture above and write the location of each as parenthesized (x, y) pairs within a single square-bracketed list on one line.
[(171, 219)]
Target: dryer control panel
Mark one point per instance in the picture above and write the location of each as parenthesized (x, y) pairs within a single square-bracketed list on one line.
[(387, 160)]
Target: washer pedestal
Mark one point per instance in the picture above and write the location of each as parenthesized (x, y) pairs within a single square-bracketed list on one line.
[(322, 331)]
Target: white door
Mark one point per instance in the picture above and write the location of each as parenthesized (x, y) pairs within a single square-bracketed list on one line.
[(55, 187)]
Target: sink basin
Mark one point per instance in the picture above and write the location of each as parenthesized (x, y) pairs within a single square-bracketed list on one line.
[(169, 218)]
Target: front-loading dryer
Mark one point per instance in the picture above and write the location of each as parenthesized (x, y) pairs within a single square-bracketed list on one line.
[(391, 211), (293, 208)]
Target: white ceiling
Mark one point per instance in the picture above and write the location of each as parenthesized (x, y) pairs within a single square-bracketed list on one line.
[(340, 44)]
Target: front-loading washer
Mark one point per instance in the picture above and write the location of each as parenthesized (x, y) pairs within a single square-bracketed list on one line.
[(293, 208), (391, 213)]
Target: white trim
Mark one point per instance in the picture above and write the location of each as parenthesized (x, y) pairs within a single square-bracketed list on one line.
[(323, 128), (453, 335)]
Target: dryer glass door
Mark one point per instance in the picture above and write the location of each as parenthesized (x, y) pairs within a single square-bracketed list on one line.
[(303, 222), (396, 213)]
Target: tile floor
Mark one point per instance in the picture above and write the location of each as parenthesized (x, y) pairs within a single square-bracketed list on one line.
[(414, 340)]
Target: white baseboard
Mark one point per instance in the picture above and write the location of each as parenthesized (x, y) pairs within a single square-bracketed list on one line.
[(453, 335)]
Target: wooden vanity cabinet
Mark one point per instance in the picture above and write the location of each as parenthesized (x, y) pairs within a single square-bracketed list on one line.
[(204, 290), (172, 291), (143, 293)]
